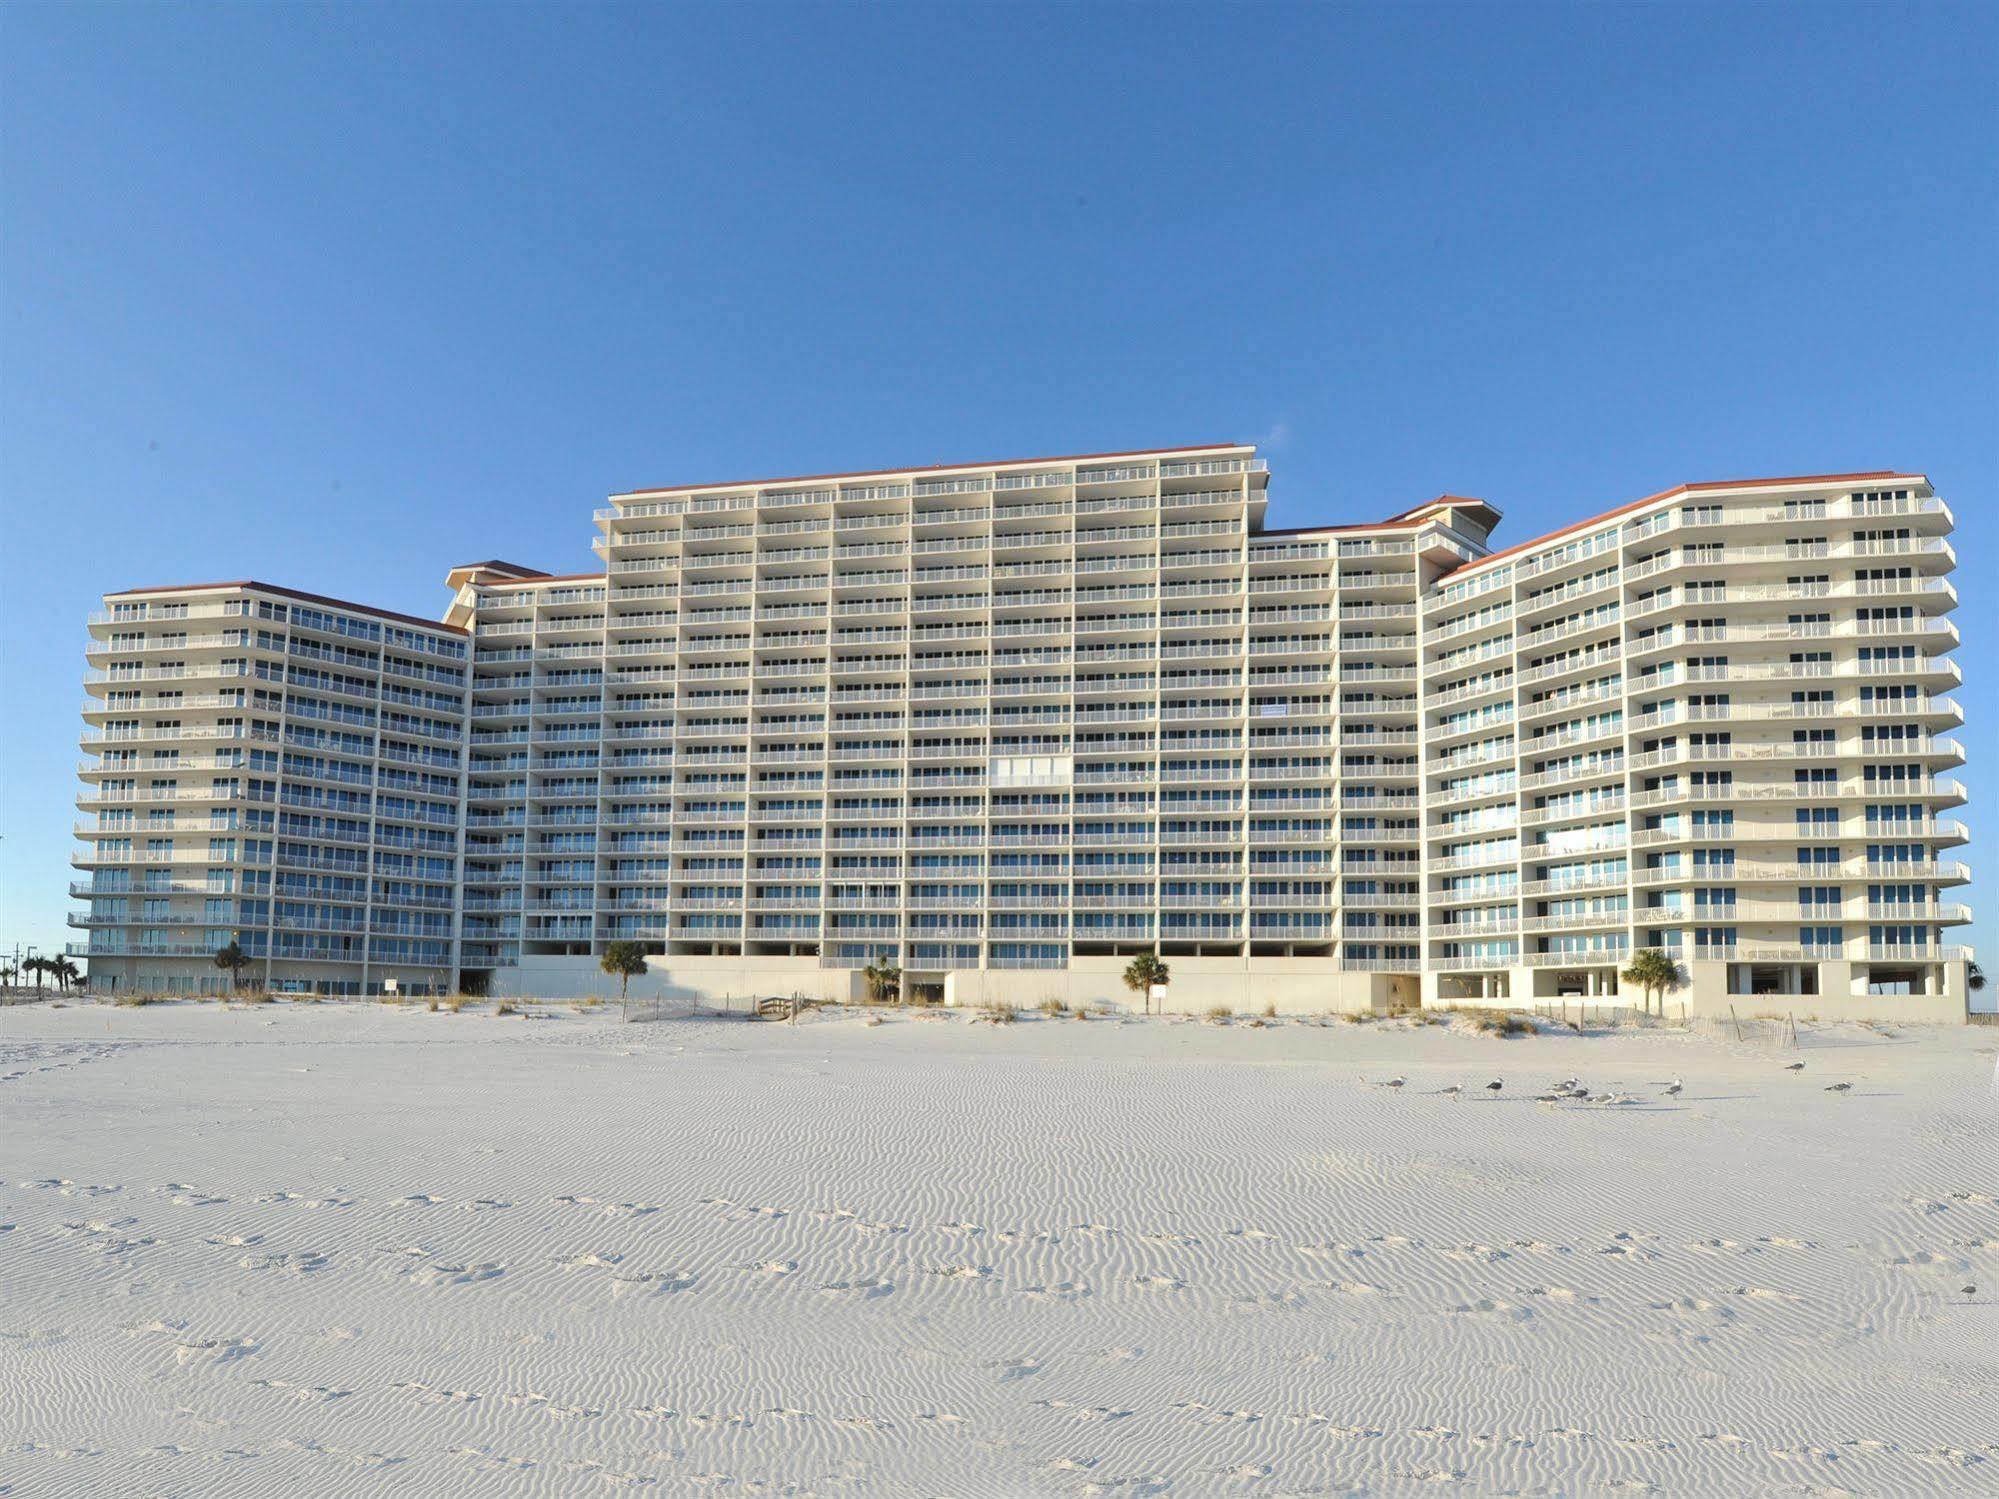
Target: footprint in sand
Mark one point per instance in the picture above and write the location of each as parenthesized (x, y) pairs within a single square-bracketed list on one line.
[(1432, 1475), (962, 1272), (1062, 1291), (312, 1394), (1626, 1246), (1161, 1282), (429, 1395), (1948, 1457), (652, 1283), (1924, 1259), (70, 1188), (302, 1262), (1333, 1251), (487, 1458), (1211, 1415), (105, 1237), (234, 1241), (863, 1290), (182, 1195), (1015, 1368), (586, 1261), (770, 1268), (157, 1325), (1079, 1412), (1027, 1236), (458, 1275), (612, 1477), (329, 1201), (1498, 1310), (1270, 1301), (213, 1351)]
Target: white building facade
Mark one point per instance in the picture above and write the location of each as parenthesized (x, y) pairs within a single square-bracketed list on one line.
[(1007, 726)]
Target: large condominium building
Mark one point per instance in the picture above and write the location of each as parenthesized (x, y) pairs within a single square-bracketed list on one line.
[(1008, 725)]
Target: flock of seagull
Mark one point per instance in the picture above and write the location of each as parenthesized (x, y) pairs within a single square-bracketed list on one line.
[(1570, 1090)]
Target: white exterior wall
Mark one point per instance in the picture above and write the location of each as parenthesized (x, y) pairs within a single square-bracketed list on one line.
[(274, 769), (1008, 726)]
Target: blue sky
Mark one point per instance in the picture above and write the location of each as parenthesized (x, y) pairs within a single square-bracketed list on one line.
[(340, 296)]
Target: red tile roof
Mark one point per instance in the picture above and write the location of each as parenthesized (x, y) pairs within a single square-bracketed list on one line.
[(1700, 487), (293, 593), (919, 468)]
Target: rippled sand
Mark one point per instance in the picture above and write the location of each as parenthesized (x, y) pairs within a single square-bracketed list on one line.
[(357, 1250)]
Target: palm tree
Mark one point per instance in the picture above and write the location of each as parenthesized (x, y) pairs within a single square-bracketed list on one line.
[(1974, 977), (232, 960), (884, 981), (1146, 973), (39, 967), (622, 960), (1654, 973), (9, 975), (66, 973)]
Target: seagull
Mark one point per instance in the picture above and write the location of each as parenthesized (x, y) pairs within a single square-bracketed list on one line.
[(1454, 1090), (1673, 1088), (1795, 1067), (1968, 1291), (1395, 1082), (1566, 1085), (1839, 1087), (1549, 1097), (1495, 1085), (1600, 1098)]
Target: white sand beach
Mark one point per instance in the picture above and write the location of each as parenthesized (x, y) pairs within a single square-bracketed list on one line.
[(291, 1250)]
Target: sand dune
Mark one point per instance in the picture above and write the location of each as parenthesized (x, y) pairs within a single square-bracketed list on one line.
[(357, 1250)]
